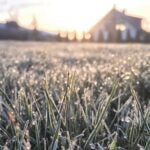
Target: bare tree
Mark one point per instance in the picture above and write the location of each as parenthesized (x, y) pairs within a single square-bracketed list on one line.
[(13, 9), (34, 23), (13, 14)]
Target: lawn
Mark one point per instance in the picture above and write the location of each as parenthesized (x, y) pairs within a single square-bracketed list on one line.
[(74, 96)]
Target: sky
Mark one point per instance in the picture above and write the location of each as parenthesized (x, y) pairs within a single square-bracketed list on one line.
[(79, 15)]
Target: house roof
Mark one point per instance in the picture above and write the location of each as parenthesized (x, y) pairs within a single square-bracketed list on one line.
[(2, 26), (115, 15)]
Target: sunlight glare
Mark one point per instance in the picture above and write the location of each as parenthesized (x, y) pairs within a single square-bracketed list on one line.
[(79, 15)]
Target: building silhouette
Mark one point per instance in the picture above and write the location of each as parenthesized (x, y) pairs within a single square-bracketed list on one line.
[(117, 26), (11, 30)]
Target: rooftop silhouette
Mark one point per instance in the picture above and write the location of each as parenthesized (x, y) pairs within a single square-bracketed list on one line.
[(117, 26)]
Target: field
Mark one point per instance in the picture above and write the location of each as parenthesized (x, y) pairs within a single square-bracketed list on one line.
[(74, 96)]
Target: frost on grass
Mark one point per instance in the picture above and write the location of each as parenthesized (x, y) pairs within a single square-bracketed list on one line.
[(61, 96)]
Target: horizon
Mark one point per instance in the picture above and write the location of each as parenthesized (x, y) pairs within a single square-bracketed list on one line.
[(69, 15)]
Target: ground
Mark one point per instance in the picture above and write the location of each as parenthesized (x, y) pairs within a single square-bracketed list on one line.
[(74, 95)]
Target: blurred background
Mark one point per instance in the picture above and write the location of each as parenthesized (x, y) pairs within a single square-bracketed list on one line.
[(72, 19)]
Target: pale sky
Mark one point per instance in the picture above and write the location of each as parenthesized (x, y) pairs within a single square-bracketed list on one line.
[(80, 15)]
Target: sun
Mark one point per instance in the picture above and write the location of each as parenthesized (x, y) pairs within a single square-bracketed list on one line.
[(65, 15), (76, 15)]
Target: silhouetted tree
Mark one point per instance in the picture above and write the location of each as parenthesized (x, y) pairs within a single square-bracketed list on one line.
[(83, 37), (13, 14), (66, 38), (59, 39), (75, 36), (34, 25)]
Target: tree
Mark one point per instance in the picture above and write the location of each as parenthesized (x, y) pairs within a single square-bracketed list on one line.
[(34, 25), (66, 38), (83, 37), (59, 39), (75, 36)]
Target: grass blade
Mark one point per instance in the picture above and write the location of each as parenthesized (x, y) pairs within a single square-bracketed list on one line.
[(97, 126)]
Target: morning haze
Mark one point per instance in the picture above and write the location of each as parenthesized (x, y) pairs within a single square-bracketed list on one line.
[(74, 75)]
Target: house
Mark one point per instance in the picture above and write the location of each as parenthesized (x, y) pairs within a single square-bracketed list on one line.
[(117, 26), (12, 31)]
